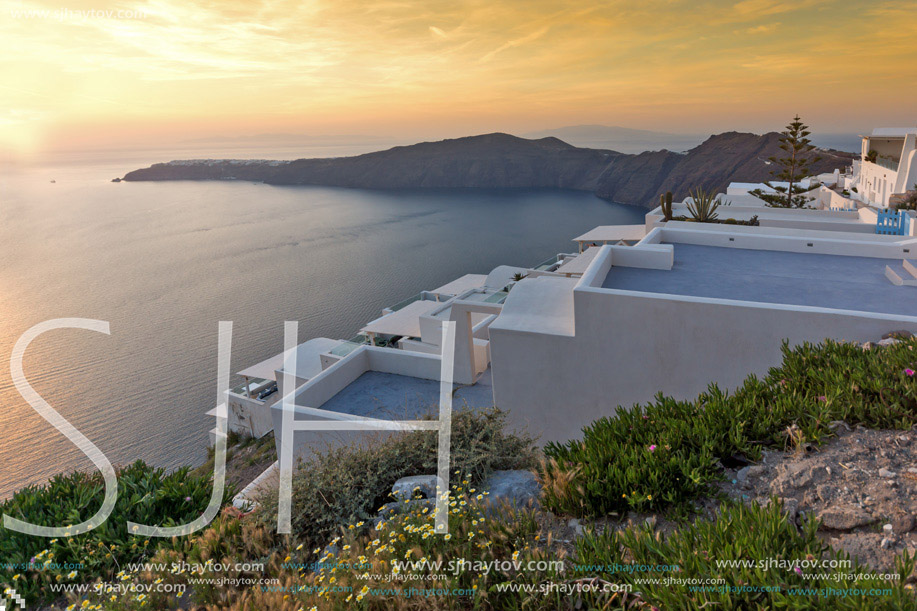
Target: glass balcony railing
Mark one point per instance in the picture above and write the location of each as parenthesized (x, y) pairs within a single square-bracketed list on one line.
[(546, 264), (253, 388), (406, 302), (345, 348), (499, 297), (887, 162)]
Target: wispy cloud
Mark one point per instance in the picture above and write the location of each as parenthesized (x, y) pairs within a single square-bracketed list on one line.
[(532, 36), (475, 64), (761, 8), (764, 28)]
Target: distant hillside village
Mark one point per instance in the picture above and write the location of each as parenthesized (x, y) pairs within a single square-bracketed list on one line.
[(705, 290)]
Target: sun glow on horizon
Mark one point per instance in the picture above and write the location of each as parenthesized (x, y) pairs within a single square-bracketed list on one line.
[(154, 71)]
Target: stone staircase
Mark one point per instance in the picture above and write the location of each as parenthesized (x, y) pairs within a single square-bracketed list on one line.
[(903, 275)]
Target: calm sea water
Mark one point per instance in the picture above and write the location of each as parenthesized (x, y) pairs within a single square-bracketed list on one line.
[(164, 262)]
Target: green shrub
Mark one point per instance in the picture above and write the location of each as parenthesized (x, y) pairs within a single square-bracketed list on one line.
[(351, 482), (782, 576), (146, 495), (405, 545), (668, 452)]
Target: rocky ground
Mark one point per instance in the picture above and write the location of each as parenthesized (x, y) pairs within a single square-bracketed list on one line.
[(862, 485)]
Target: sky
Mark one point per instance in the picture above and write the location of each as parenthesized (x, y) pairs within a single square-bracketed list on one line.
[(147, 73)]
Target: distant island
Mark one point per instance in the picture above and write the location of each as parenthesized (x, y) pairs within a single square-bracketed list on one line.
[(498, 160)]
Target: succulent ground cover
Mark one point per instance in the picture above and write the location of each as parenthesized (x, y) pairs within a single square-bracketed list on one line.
[(645, 488)]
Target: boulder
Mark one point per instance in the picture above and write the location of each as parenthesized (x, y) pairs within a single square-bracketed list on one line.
[(902, 334), (844, 517), (407, 486), (516, 488)]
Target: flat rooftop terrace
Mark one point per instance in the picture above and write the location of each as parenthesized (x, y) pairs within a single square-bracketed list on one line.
[(765, 276), (389, 396)]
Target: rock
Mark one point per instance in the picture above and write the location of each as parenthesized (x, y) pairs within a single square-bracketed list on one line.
[(651, 521), (868, 346), (576, 526), (837, 425), (826, 492), (742, 475), (883, 472), (886, 543), (406, 486), (902, 334), (517, 488), (902, 523), (887, 528), (794, 476), (844, 517), (889, 342)]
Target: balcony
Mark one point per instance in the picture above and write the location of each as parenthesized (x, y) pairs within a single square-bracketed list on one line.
[(889, 163), (345, 348), (258, 389), (548, 264)]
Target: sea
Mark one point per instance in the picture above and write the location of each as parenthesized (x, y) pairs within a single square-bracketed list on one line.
[(163, 262)]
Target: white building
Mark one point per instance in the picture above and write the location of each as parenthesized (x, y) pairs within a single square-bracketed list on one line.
[(690, 304), (666, 306), (888, 165)]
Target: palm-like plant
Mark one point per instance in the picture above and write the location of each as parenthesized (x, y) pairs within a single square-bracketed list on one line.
[(703, 205)]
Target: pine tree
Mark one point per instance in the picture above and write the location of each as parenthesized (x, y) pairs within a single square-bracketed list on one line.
[(792, 167)]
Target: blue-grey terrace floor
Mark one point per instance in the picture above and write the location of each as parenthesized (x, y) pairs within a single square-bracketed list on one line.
[(764, 276), (396, 397)]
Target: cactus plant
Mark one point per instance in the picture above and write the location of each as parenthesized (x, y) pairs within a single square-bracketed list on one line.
[(665, 202)]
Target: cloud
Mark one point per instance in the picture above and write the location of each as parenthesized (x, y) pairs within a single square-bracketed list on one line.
[(273, 63), (759, 8), (517, 42), (764, 28)]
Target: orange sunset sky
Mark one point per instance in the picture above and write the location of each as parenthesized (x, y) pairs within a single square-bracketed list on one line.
[(163, 71)]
